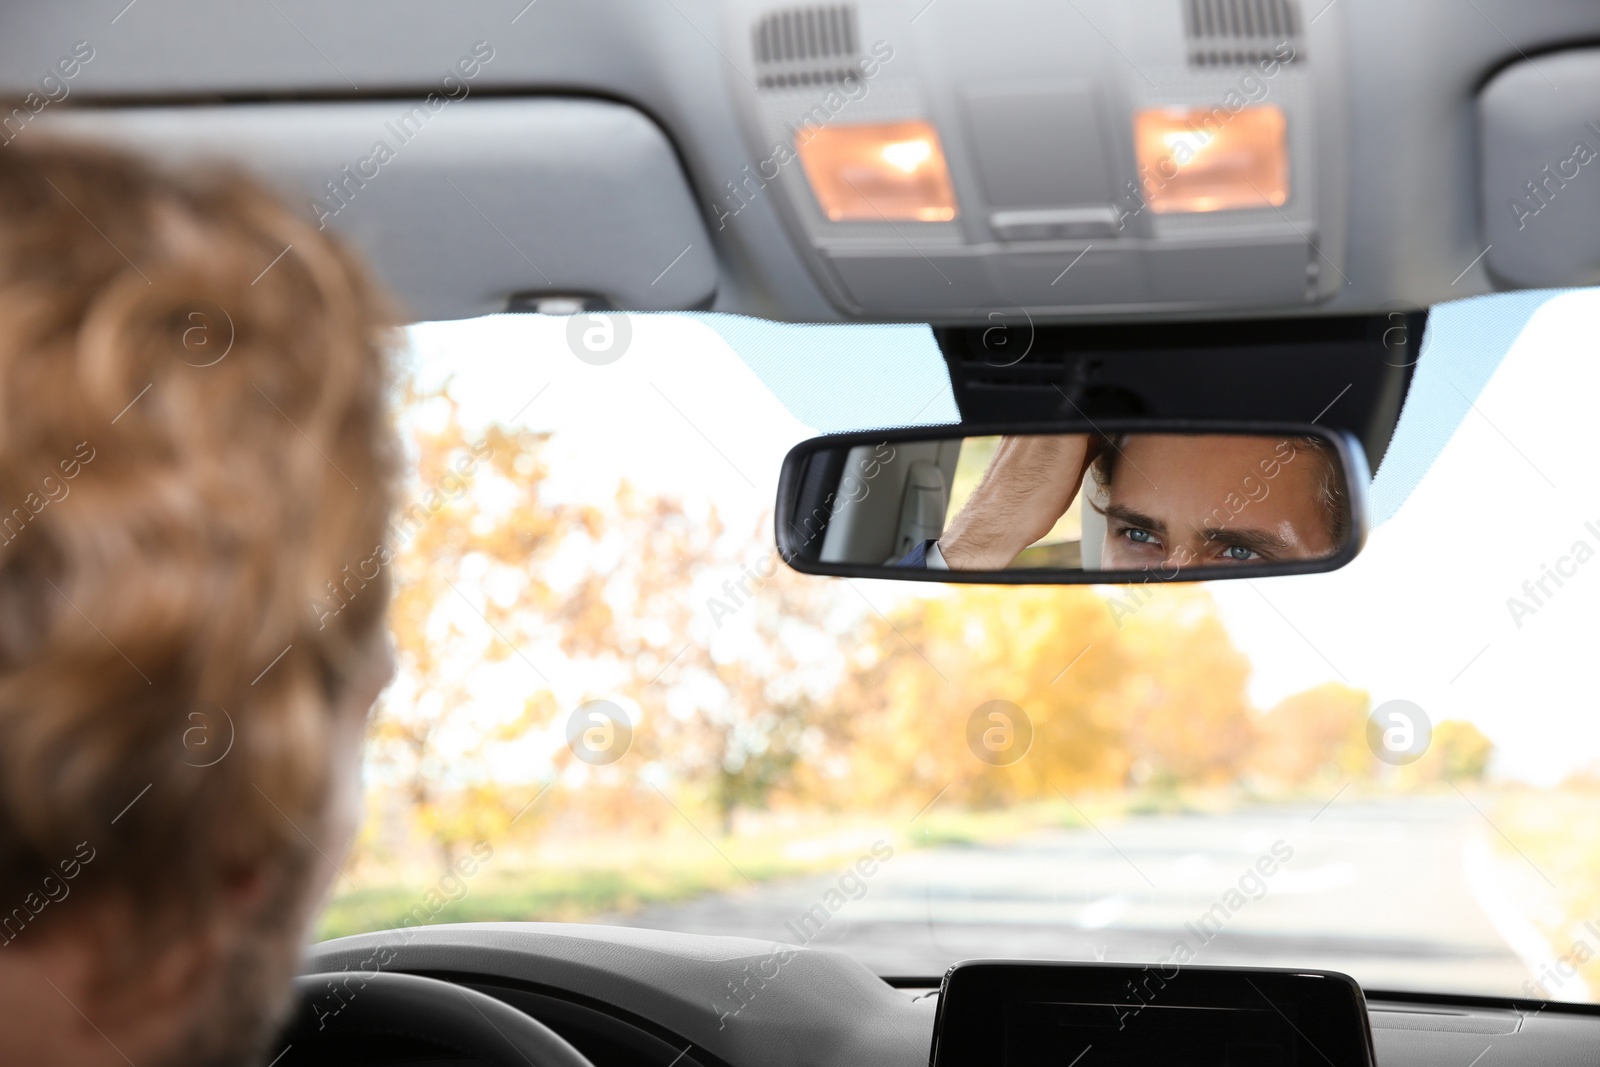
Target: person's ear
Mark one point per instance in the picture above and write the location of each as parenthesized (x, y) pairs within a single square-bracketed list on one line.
[(245, 887), (146, 979)]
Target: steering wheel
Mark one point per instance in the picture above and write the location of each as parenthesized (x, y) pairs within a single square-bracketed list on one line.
[(339, 1006)]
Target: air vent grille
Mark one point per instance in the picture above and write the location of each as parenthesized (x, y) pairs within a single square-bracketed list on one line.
[(806, 46), (1237, 33)]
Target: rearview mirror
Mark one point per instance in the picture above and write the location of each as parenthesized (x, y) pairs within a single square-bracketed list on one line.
[(1074, 502)]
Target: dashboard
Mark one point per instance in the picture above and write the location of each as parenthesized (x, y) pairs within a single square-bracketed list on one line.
[(632, 996)]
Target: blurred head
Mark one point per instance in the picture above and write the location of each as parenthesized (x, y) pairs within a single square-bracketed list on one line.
[(1191, 500), (193, 444)]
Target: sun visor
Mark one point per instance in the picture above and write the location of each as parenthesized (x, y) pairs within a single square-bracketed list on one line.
[(1540, 188), (463, 206)]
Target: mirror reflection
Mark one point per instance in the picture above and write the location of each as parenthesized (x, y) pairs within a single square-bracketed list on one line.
[(1135, 502)]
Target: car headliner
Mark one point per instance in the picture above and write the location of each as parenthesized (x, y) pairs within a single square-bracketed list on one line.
[(1409, 74)]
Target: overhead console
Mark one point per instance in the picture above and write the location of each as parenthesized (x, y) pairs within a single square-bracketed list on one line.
[(1101, 155)]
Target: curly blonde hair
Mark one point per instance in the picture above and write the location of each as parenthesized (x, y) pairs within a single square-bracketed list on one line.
[(194, 442)]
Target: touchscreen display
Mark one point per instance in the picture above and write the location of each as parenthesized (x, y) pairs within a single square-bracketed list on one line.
[(1113, 1015), (1099, 1035)]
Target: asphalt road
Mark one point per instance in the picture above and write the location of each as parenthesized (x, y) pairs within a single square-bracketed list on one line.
[(1406, 894)]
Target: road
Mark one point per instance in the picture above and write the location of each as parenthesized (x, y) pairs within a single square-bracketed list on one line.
[(1405, 894)]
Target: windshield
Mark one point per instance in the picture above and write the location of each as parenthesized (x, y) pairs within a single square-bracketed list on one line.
[(616, 705)]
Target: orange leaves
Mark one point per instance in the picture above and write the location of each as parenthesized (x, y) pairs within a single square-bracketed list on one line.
[(1318, 733), (1110, 700)]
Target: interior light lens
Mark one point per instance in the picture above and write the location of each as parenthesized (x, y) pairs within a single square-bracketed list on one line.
[(1212, 159), (891, 171)]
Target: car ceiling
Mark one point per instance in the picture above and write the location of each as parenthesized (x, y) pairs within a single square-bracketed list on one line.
[(604, 138)]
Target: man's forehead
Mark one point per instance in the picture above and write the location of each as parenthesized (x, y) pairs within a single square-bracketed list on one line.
[(1195, 448)]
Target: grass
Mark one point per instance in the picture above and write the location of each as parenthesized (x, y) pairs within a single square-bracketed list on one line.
[(947, 826), (572, 879), (567, 881), (521, 895)]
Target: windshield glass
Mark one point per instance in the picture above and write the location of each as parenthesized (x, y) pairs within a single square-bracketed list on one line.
[(616, 705)]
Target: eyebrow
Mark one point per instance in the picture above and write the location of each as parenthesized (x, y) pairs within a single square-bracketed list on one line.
[(1255, 540), (1126, 515)]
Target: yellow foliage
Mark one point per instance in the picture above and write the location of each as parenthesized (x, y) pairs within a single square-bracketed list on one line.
[(1316, 734), (1110, 696), (1460, 752), (1184, 698), (785, 690), (1052, 652)]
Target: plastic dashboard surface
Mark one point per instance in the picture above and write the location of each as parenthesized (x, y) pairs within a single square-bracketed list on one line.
[(735, 1001)]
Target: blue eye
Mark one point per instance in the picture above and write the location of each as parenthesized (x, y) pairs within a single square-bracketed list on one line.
[(1139, 536), (1238, 552)]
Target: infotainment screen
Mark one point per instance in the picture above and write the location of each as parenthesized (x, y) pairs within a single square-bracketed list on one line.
[(1008, 1014)]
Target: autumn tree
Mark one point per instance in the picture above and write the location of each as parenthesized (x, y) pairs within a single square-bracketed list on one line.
[(927, 669), (1316, 734), (750, 685), (1184, 699), (719, 644), (1459, 752), (500, 589), (469, 545), (1110, 698)]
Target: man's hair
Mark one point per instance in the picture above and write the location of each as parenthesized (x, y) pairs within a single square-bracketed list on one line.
[(1332, 498), (194, 443)]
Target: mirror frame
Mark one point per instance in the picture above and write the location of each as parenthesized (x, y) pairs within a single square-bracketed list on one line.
[(1349, 450)]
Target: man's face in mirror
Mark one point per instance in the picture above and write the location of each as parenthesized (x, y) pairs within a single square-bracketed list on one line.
[(1177, 501)]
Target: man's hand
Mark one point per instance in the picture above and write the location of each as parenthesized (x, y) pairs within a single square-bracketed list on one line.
[(1028, 487)]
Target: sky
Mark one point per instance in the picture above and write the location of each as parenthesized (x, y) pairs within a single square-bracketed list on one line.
[(1491, 478), (1423, 613)]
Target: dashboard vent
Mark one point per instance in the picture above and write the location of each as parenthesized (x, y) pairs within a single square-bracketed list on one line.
[(1239, 33), (806, 46)]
